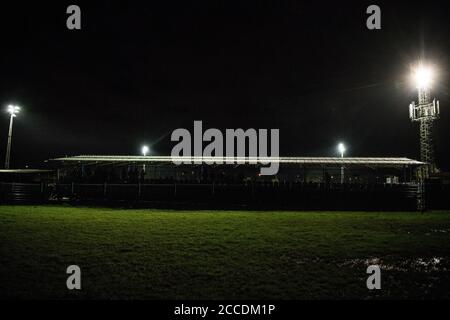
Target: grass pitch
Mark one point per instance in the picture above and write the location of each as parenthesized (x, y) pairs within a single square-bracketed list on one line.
[(164, 254)]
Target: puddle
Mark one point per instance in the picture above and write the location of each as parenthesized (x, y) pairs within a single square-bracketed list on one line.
[(440, 230), (389, 262), (431, 264)]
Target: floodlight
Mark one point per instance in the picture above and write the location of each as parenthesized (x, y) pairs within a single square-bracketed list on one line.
[(145, 150), (13, 110), (341, 149), (423, 76)]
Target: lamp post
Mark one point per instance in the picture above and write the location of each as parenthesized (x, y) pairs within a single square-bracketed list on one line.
[(13, 111), (145, 150), (341, 149), (425, 112)]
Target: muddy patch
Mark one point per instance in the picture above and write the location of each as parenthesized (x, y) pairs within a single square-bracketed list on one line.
[(419, 264), (389, 263)]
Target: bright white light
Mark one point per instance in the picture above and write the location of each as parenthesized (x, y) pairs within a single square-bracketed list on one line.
[(423, 76), (341, 149), (13, 110), (145, 150)]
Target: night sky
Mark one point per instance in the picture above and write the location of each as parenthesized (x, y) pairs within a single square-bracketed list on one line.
[(138, 70)]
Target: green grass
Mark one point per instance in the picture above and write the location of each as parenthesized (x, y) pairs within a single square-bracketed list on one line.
[(164, 254)]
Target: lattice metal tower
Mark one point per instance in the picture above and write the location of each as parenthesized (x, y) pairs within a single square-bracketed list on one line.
[(426, 112)]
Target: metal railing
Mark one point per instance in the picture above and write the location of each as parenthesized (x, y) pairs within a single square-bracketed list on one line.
[(271, 195)]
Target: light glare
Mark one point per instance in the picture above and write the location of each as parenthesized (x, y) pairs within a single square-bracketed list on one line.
[(13, 110), (145, 150), (423, 76), (341, 149)]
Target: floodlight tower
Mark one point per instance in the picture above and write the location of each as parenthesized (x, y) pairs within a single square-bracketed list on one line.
[(426, 112), (341, 149), (145, 150), (13, 111)]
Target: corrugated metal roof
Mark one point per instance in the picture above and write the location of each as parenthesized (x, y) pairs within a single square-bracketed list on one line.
[(25, 171), (242, 160)]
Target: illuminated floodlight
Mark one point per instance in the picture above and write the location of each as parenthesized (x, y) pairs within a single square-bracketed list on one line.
[(423, 76), (13, 110), (341, 149), (145, 150)]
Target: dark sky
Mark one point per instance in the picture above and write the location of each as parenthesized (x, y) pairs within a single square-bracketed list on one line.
[(138, 70)]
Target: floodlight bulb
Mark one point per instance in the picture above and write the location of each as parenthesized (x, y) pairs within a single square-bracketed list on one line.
[(145, 150), (341, 148), (12, 110), (423, 76)]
